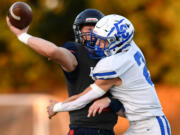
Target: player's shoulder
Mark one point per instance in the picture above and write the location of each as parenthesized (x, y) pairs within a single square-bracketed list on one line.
[(112, 66), (104, 69), (115, 61), (71, 46), (104, 64)]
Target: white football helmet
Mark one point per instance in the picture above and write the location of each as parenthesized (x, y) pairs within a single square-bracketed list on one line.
[(116, 31)]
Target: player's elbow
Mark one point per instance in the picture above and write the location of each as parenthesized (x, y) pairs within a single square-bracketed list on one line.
[(63, 57), (70, 67), (52, 52)]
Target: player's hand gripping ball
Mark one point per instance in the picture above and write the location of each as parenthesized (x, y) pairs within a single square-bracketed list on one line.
[(20, 15)]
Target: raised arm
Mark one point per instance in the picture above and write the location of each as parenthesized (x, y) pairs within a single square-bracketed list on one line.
[(46, 48)]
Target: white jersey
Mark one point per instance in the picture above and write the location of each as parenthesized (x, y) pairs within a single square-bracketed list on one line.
[(137, 92)]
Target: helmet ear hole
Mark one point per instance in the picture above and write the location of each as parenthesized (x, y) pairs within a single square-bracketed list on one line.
[(117, 38)]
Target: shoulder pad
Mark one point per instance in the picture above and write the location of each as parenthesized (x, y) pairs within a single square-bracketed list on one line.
[(112, 67), (71, 46)]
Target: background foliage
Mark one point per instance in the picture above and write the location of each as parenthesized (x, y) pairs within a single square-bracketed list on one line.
[(157, 32)]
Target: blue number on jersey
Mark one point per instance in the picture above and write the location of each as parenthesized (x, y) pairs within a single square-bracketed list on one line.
[(138, 57)]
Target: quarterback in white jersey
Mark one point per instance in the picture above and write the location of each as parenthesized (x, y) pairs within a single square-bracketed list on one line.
[(123, 69)]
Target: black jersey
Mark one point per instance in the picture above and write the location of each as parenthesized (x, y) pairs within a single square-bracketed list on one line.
[(79, 80)]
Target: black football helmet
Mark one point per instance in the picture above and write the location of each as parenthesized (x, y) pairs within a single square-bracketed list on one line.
[(86, 17)]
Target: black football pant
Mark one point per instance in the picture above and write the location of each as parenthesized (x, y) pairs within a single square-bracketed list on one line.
[(89, 131)]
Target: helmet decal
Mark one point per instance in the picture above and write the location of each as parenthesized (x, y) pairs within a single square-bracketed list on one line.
[(116, 27), (91, 20)]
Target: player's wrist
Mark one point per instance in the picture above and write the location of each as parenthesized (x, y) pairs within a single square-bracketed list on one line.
[(108, 99), (57, 107), (24, 37)]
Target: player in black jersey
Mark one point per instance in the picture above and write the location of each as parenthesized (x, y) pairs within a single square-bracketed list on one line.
[(76, 62)]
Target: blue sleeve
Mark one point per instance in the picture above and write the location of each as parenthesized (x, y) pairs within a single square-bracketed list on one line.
[(115, 104), (71, 47)]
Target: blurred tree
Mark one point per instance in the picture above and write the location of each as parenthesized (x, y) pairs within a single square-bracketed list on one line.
[(22, 69), (157, 32)]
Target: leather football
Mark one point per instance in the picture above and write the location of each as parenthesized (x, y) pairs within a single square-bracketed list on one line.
[(20, 15)]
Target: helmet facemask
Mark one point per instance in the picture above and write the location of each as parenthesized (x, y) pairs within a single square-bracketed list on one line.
[(97, 46), (102, 46), (84, 35)]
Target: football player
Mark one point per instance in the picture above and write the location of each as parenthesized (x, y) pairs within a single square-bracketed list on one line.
[(123, 69), (75, 62)]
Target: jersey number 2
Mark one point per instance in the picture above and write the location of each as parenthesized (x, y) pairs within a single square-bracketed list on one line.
[(138, 57)]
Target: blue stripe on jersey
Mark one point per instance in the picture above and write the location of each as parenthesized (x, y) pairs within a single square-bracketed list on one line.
[(161, 125), (167, 124), (104, 74)]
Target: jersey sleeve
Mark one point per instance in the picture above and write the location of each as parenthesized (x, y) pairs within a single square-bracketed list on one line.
[(111, 67), (71, 47)]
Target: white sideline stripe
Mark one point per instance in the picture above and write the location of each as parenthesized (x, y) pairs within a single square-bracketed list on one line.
[(20, 99), (40, 122), (38, 103)]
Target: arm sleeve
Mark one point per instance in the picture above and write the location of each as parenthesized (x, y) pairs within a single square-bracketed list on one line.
[(80, 102), (71, 47)]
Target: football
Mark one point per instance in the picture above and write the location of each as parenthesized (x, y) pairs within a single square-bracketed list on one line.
[(20, 15)]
